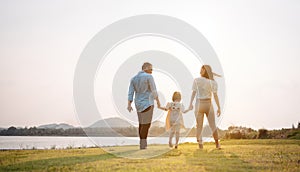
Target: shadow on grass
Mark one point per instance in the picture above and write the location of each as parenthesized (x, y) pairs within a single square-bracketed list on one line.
[(133, 152), (217, 160), (44, 164)]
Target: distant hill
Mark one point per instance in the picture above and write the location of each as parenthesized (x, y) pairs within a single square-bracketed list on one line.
[(112, 123), (56, 126)]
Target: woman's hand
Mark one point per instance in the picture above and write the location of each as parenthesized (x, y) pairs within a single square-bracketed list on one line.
[(191, 107), (218, 112)]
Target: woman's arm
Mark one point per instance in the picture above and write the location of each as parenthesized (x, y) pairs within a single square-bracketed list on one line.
[(186, 111), (192, 99), (218, 104)]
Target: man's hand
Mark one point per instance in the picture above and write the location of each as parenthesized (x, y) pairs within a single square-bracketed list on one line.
[(129, 108)]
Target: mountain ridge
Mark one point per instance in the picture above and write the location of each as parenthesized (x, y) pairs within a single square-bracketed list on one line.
[(56, 126), (113, 122)]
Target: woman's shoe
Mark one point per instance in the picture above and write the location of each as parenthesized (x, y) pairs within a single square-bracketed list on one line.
[(170, 145)]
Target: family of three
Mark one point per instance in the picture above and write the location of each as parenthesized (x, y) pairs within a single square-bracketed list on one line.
[(142, 88)]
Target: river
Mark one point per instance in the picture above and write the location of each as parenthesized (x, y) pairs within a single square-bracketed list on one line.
[(57, 142)]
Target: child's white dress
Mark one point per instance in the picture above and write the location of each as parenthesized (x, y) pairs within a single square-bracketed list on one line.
[(174, 120)]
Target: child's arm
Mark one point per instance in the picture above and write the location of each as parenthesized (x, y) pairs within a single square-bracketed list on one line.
[(187, 109)]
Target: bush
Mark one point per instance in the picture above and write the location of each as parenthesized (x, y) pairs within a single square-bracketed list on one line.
[(262, 134), (294, 135), (234, 135), (251, 135), (240, 133)]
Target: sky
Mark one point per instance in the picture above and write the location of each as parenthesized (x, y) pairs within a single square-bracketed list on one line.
[(257, 43)]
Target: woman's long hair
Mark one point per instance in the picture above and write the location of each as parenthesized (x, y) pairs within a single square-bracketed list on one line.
[(208, 72)]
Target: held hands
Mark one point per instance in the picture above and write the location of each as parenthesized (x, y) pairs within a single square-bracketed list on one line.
[(162, 108), (159, 106), (190, 108)]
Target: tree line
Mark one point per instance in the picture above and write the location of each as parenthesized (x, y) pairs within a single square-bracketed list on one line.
[(233, 132), (104, 132)]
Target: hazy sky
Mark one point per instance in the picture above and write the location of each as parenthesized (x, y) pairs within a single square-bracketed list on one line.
[(257, 43)]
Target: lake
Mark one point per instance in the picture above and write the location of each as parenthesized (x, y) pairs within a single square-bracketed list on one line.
[(57, 142)]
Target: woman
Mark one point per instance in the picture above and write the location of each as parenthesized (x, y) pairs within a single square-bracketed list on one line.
[(203, 88)]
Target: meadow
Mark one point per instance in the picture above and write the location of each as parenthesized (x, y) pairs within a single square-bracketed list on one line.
[(235, 155)]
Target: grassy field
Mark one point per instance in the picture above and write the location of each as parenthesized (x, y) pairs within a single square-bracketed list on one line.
[(235, 155)]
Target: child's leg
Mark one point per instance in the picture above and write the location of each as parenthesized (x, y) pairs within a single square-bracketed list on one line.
[(172, 132), (177, 134)]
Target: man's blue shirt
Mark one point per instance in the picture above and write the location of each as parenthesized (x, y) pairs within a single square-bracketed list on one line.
[(143, 86)]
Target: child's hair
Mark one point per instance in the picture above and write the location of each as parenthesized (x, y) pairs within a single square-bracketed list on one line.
[(176, 96)]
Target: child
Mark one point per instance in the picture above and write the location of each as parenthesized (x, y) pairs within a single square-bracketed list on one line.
[(174, 120)]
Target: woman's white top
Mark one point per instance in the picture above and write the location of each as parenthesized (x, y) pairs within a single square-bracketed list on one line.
[(204, 87)]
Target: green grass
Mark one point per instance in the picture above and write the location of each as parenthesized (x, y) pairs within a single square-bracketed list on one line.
[(235, 155)]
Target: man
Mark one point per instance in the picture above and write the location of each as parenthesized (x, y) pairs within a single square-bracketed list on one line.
[(143, 86)]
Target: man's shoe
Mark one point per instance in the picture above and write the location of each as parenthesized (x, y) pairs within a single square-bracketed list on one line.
[(143, 144), (218, 146)]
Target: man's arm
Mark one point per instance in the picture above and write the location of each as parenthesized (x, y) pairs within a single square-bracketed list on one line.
[(163, 108), (153, 90), (130, 96)]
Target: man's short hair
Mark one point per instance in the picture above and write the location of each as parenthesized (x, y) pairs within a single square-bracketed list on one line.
[(146, 65)]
